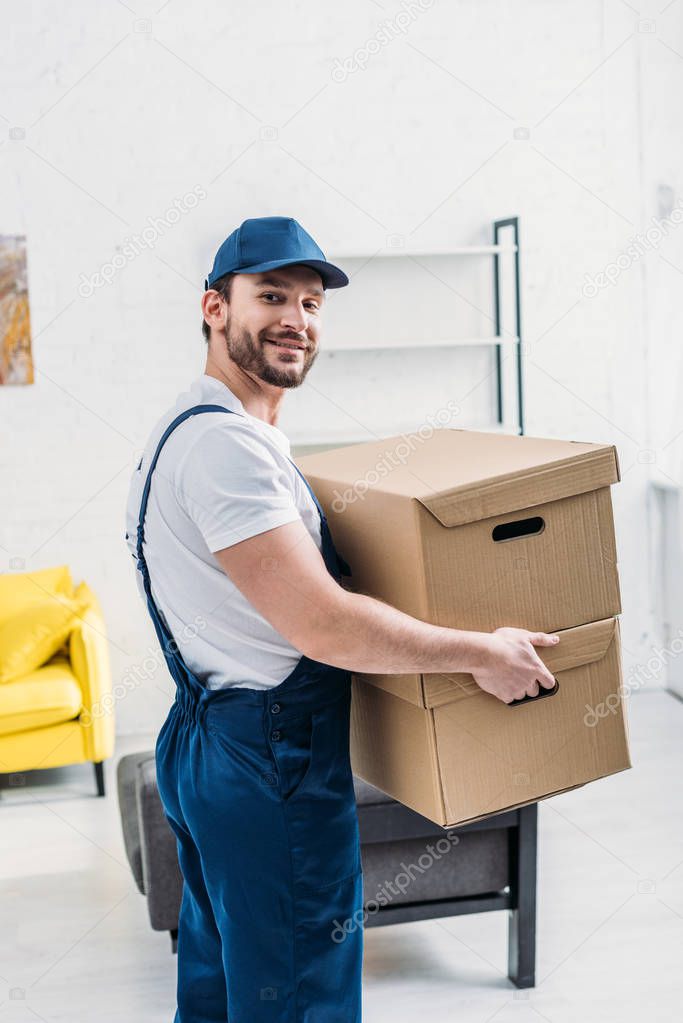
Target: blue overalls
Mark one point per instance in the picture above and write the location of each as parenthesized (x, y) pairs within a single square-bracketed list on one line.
[(258, 789)]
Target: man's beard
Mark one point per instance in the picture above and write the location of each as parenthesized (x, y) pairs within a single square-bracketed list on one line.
[(248, 353)]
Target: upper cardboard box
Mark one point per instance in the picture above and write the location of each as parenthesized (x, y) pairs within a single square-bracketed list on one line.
[(476, 530), (464, 475)]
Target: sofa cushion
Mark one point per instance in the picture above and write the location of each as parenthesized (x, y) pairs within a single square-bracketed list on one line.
[(35, 633), (47, 696), (17, 589), (426, 869)]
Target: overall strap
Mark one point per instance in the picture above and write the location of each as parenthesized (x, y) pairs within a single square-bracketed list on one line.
[(310, 490), (148, 482)]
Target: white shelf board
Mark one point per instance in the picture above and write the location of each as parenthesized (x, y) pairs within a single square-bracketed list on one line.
[(357, 435), (353, 345), (463, 250)]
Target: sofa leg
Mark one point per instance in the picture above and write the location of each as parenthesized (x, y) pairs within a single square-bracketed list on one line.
[(99, 777), (174, 940), (522, 917)]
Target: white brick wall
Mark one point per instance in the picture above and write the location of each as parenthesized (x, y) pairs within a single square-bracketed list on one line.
[(124, 113)]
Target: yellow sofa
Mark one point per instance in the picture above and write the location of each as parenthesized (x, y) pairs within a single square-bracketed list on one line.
[(62, 712)]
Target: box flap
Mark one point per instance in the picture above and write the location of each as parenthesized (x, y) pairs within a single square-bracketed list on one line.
[(515, 490), (406, 687), (464, 475), (580, 645)]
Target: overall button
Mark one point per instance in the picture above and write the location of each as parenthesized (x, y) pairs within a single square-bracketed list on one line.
[(275, 709), (276, 736)]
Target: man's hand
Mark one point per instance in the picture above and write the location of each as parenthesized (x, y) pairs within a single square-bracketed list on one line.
[(511, 668)]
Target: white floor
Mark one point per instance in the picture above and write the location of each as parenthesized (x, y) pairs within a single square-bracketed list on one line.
[(76, 944)]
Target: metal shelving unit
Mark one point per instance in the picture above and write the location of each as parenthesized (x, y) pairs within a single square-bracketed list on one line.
[(499, 339), (498, 226)]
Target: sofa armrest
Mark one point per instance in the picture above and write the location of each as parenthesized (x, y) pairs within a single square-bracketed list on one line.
[(161, 876), (126, 784), (89, 657)]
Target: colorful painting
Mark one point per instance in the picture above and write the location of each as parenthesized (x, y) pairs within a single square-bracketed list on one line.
[(16, 363)]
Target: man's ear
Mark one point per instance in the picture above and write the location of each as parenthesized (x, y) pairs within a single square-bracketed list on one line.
[(208, 299)]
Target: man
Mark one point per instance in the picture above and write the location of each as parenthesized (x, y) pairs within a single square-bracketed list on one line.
[(242, 581)]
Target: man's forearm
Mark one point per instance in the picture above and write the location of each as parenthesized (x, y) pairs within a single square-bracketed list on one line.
[(366, 635)]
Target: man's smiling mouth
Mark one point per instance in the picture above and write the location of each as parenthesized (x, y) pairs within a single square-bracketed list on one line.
[(290, 346)]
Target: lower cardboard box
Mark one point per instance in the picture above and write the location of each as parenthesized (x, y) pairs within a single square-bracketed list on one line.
[(456, 754)]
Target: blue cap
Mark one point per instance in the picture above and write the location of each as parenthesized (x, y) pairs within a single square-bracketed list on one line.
[(264, 243)]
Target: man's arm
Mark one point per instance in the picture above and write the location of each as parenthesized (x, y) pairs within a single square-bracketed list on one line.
[(282, 574)]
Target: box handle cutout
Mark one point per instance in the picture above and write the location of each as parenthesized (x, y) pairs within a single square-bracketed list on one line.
[(520, 527), (532, 699)]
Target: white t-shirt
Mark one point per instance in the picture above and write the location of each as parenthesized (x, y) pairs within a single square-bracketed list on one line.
[(220, 478)]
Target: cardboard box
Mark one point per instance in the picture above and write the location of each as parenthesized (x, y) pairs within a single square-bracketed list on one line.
[(456, 754), (475, 531), (434, 534)]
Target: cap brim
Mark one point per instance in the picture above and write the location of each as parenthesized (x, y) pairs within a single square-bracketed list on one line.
[(331, 275)]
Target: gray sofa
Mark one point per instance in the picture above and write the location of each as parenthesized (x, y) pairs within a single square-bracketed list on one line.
[(492, 867)]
